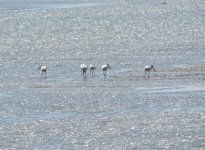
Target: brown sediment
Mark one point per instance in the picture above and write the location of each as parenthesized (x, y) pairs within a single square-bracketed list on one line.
[(40, 86), (69, 86), (167, 77), (193, 68), (195, 72)]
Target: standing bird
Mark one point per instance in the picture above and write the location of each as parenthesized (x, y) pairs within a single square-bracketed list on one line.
[(104, 68), (43, 69), (92, 68), (148, 69), (83, 68)]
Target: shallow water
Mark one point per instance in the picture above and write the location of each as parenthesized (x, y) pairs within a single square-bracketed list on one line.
[(123, 110), (42, 4)]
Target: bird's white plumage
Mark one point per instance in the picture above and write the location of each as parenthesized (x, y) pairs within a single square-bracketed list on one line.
[(43, 67), (148, 69), (104, 68), (83, 66), (92, 67)]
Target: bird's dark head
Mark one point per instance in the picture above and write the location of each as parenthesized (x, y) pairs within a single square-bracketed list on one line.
[(39, 67), (108, 66), (153, 67)]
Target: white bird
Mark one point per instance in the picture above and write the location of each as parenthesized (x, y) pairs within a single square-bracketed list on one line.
[(104, 68), (83, 68), (148, 69), (43, 69), (92, 68)]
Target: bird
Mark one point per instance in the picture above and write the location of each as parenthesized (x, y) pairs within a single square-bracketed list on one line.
[(148, 69), (43, 69), (92, 68), (83, 68), (104, 68)]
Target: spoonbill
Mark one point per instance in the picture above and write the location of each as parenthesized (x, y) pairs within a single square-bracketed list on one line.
[(92, 68), (83, 68), (148, 69), (43, 69), (104, 68)]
